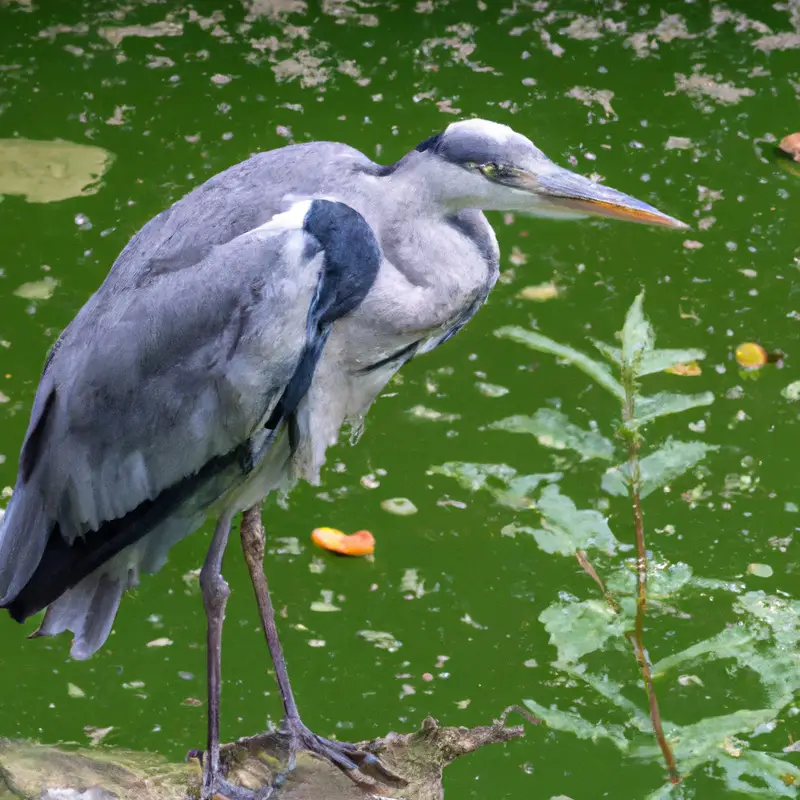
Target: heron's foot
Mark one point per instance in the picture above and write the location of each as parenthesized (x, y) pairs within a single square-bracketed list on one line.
[(215, 787), (363, 768)]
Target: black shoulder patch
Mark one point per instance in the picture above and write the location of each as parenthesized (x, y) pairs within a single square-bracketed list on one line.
[(352, 259), (351, 263), (431, 144)]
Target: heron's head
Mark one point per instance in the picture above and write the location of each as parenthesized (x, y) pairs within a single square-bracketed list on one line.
[(486, 165)]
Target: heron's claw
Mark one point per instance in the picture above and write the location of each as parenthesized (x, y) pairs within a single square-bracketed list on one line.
[(217, 788), (363, 768)]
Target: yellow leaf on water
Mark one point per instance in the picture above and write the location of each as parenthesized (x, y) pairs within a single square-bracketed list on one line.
[(48, 171), (540, 293), (162, 642), (760, 570), (751, 355), (689, 370), (37, 290)]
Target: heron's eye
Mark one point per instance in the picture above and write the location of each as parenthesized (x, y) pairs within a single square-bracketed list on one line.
[(490, 169)]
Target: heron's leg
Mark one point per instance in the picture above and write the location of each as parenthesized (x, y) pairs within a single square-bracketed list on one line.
[(342, 754), (253, 542), (215, 595)]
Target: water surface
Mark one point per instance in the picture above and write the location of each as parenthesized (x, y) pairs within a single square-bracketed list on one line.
[(677, 103)]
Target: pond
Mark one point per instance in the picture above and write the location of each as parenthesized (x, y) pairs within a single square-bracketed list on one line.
[(109, 115)]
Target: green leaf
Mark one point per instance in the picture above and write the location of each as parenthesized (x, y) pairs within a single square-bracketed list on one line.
[(663, 403), (573, 723), (781, 777), (659, 468), (502, 481), (663, 579), (611, 691), (553, 429), (474, 477), (659, 360), (653, 360), (600, 373), (725, 644), (613, 354), (567, 528), (695, 744), (637, 335), (767, 641), (577, 629)]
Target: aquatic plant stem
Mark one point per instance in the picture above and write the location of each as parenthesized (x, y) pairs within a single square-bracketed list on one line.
[(637, 637)]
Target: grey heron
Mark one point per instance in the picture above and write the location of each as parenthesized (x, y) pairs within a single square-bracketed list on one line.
[(234, 335)]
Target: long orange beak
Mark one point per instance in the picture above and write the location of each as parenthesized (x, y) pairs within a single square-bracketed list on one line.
[(569, 191)]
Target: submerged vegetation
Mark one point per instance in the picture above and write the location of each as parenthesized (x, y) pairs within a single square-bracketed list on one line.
[(638, 590)]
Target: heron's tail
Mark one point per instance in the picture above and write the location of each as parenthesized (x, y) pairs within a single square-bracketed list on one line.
[(88, 610)]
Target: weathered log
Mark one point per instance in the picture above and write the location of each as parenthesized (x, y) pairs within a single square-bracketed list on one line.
[(32, 771)]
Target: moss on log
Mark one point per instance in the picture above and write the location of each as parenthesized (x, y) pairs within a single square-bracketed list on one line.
[(32, 771)]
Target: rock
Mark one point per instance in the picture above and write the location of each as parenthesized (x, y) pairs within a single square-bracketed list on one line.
[(33, 771)]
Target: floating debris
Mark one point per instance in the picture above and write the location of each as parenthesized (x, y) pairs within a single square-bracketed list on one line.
[(791, 145), (760, 570), (369, 481), (44, 171), (540, 293), (679, 143), (325, 605), (491, 389), (690, 370), (751, 355), (37, 290), (361, 543), (792, 391), (400, 506), (430, 414), (162, 642), (412, 585), (381, 639)]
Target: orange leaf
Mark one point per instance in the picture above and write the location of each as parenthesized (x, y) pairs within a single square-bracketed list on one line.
[(361, 543)]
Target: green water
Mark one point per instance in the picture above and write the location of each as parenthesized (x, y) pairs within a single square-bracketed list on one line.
[(382, 77)]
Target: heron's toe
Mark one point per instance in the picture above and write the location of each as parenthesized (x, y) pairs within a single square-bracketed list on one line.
[(362, 767)]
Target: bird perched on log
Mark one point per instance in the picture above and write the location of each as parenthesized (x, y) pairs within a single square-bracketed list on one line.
[(233, 337)]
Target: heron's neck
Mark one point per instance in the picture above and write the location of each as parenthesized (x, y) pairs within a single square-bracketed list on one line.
[(415, 191)]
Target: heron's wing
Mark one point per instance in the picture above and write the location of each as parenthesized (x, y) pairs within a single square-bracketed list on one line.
[(156, 384), (237, 200), (155, 381)]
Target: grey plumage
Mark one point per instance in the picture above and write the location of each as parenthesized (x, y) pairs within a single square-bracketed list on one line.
[(233, 337), (188, 343)]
